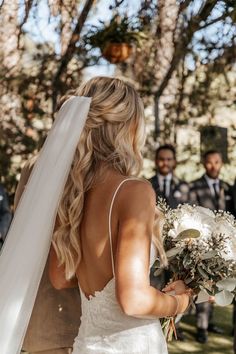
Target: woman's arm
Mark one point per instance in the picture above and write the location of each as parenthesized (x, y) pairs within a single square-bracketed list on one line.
[(57, 273), (136, 208)]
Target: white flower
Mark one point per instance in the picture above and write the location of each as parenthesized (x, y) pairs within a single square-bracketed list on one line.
[(227, 229), (205, 212), (229, 252), (192, 222)]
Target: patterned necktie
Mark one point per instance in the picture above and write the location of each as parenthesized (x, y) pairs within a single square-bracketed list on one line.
[(165, 187)]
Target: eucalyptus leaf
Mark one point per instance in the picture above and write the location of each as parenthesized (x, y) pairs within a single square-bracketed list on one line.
[(224, 298), (173, 252), (202, 273), (189, 233), (209, 255), (227, 284), (203, 296), (158, 272)]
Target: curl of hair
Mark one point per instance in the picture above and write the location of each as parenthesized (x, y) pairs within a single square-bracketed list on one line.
[(159, 222), (113, 134)]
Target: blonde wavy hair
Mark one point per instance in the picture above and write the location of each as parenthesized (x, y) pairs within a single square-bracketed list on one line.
[(114, 134)]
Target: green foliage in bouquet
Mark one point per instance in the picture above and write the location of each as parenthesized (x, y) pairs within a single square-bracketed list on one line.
[(200, 246), (119, 30)]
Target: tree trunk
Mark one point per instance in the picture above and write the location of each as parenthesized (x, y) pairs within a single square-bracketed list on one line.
[(164, 51), (71, 48), (67, 10), (9, 35)]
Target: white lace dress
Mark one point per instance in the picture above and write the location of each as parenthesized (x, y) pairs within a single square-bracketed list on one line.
[(106, 329)]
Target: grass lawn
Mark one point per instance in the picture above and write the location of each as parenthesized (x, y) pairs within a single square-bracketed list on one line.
[(217, 344)]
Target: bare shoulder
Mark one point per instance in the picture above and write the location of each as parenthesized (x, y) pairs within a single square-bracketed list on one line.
[(136, 195), (138, 186)]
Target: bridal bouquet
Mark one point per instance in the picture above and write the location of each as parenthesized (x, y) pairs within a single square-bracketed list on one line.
[(201, 250)]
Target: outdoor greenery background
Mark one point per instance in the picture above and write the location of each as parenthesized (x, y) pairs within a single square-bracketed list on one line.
[(217, 344), (184, 70)]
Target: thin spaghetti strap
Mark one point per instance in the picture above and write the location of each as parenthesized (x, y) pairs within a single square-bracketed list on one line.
[(109, 220)]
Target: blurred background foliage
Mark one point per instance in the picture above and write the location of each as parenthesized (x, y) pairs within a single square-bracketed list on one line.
[(184, 69)]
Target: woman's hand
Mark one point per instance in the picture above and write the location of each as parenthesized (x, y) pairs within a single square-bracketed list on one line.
[(211, 299), (177, 287), (182, 293)]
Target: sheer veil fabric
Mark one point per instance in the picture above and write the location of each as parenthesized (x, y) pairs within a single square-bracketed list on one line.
[(26, 248)]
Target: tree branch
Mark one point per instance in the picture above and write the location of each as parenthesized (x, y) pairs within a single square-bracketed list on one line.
[(220, 18), (2, 4), (181, 46), (67, 56), (28, 5), (184, 5)]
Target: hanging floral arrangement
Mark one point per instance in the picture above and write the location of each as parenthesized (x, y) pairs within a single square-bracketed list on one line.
[(117, 39)]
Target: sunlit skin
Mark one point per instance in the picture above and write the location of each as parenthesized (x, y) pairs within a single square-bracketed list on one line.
[(213, 163), (165, 162), (132, 225)]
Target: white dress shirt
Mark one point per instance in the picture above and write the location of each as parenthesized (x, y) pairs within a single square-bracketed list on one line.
[(161, 178), (210, 182)]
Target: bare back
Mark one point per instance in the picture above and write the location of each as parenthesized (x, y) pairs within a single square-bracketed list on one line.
[(95, 268), (105, 326)]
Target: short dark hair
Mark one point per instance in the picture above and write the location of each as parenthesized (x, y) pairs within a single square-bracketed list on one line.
[(166, 147), (210, 152)]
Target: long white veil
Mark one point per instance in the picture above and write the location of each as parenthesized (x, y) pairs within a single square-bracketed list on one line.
[(26, 248)]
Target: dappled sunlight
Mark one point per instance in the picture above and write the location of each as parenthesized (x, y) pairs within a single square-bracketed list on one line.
[(217, 344)]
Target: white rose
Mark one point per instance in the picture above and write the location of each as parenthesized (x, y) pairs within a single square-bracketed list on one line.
[(226, 228), (193, 222)]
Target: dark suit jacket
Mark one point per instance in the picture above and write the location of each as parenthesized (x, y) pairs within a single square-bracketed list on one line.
[(200, 194), (179, 191), (5, 213), (179, 194)]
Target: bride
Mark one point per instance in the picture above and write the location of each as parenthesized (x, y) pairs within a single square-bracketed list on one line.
[(103, 240)]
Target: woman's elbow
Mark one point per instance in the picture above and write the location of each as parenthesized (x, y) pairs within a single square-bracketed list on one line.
[(55, 281), (133, 304), (56, 272), (59, 282), (130, 309), (57, 286)]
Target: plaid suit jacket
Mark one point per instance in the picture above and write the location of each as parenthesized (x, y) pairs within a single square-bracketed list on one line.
[(200, 194), (56, 314), (179, 191)]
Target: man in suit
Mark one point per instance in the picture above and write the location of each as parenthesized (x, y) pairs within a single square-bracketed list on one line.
[(55, 319), (164, 182), (175, 192), (5, 215), (211, 192)]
